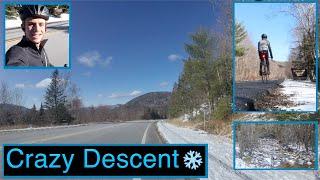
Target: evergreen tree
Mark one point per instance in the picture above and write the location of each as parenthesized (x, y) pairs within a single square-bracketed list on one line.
[(41, 110), (55, 99), (41, 118), (34, 115), (205, 80), (241, 34)]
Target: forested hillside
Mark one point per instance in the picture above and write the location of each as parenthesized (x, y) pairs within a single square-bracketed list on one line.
[(203, 90)]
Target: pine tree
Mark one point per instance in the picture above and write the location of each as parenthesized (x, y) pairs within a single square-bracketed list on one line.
[(41, 110), (241, 34), (55, 99), (32, 117), (34, 114), (205, 79), (41, 118)]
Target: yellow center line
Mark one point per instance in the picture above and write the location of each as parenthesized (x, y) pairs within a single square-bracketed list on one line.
[(66, 135)]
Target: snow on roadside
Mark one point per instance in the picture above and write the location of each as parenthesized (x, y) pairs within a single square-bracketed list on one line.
[(270, 153), (221, 155), (302, 93), (13, 23), (255, 116)]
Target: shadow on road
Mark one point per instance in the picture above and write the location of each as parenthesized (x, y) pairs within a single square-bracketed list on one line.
[(248, 92)]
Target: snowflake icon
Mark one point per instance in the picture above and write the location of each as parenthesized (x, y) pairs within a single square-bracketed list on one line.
[(192, 160)]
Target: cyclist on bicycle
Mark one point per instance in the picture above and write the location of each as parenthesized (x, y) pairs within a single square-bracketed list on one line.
[(263, 47)]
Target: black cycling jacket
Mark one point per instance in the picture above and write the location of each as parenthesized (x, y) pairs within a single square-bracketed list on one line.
[(25, 53)]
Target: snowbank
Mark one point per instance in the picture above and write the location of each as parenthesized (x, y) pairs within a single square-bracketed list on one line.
[(302, 93), (14, 23), (271, 154), (221, 155)]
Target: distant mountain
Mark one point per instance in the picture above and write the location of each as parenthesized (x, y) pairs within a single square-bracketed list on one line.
[(12, 114), (114, 106), (151, 100), (11, 107), (153, 105)]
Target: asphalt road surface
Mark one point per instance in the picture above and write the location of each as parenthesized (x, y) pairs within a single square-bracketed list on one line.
[(136, 132), (247, 92), (57, 46)]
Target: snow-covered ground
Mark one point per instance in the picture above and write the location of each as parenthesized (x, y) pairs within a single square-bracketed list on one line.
[(256, 116), (13, 23), (271, 154), (302, 93), (221, 155)]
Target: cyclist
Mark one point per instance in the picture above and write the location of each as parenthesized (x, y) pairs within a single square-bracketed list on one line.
[(263, 48), (30, 50)]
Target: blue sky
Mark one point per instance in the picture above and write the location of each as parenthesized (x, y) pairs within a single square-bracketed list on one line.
[(260, 18), (121, 49)]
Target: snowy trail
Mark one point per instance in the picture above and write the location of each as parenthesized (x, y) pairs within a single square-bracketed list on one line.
[(220, 155), (302, 93)]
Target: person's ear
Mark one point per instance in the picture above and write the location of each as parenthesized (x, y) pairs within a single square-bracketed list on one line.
[(22, 26)]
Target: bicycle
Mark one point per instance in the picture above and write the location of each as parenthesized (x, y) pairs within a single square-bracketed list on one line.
[(264, 69)]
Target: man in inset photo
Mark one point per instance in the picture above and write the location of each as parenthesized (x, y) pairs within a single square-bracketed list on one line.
[(31, 50)]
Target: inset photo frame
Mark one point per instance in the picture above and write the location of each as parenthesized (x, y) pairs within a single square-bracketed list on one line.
[(275, 56), (37, 35), (275, 145)]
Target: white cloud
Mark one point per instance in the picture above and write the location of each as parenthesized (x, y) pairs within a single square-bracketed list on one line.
[(115, 95), (164, 84), (135, 93), (122, 95), (100, 95), (21, 85), (89, 58), (107, 61), (44, 83), (174, 57), (93, 58)]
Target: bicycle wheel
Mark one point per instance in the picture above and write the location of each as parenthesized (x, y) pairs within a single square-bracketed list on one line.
[(265, 72)]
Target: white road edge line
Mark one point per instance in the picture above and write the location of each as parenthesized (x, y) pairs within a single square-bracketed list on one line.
[(144, 138)]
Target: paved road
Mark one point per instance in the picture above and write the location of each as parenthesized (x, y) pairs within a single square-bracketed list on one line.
[(136, 132), (57, 46), (248, 92)]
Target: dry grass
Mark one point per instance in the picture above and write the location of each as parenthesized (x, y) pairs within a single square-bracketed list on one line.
[(188, 124), (217, 127), (287, 165)]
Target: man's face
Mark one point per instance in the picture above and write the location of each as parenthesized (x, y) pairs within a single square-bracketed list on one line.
[(35, 28)]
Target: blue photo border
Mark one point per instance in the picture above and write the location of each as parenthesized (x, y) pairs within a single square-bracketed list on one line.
[(315, 123), (99, 176), (234, 108), (60, 2)]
